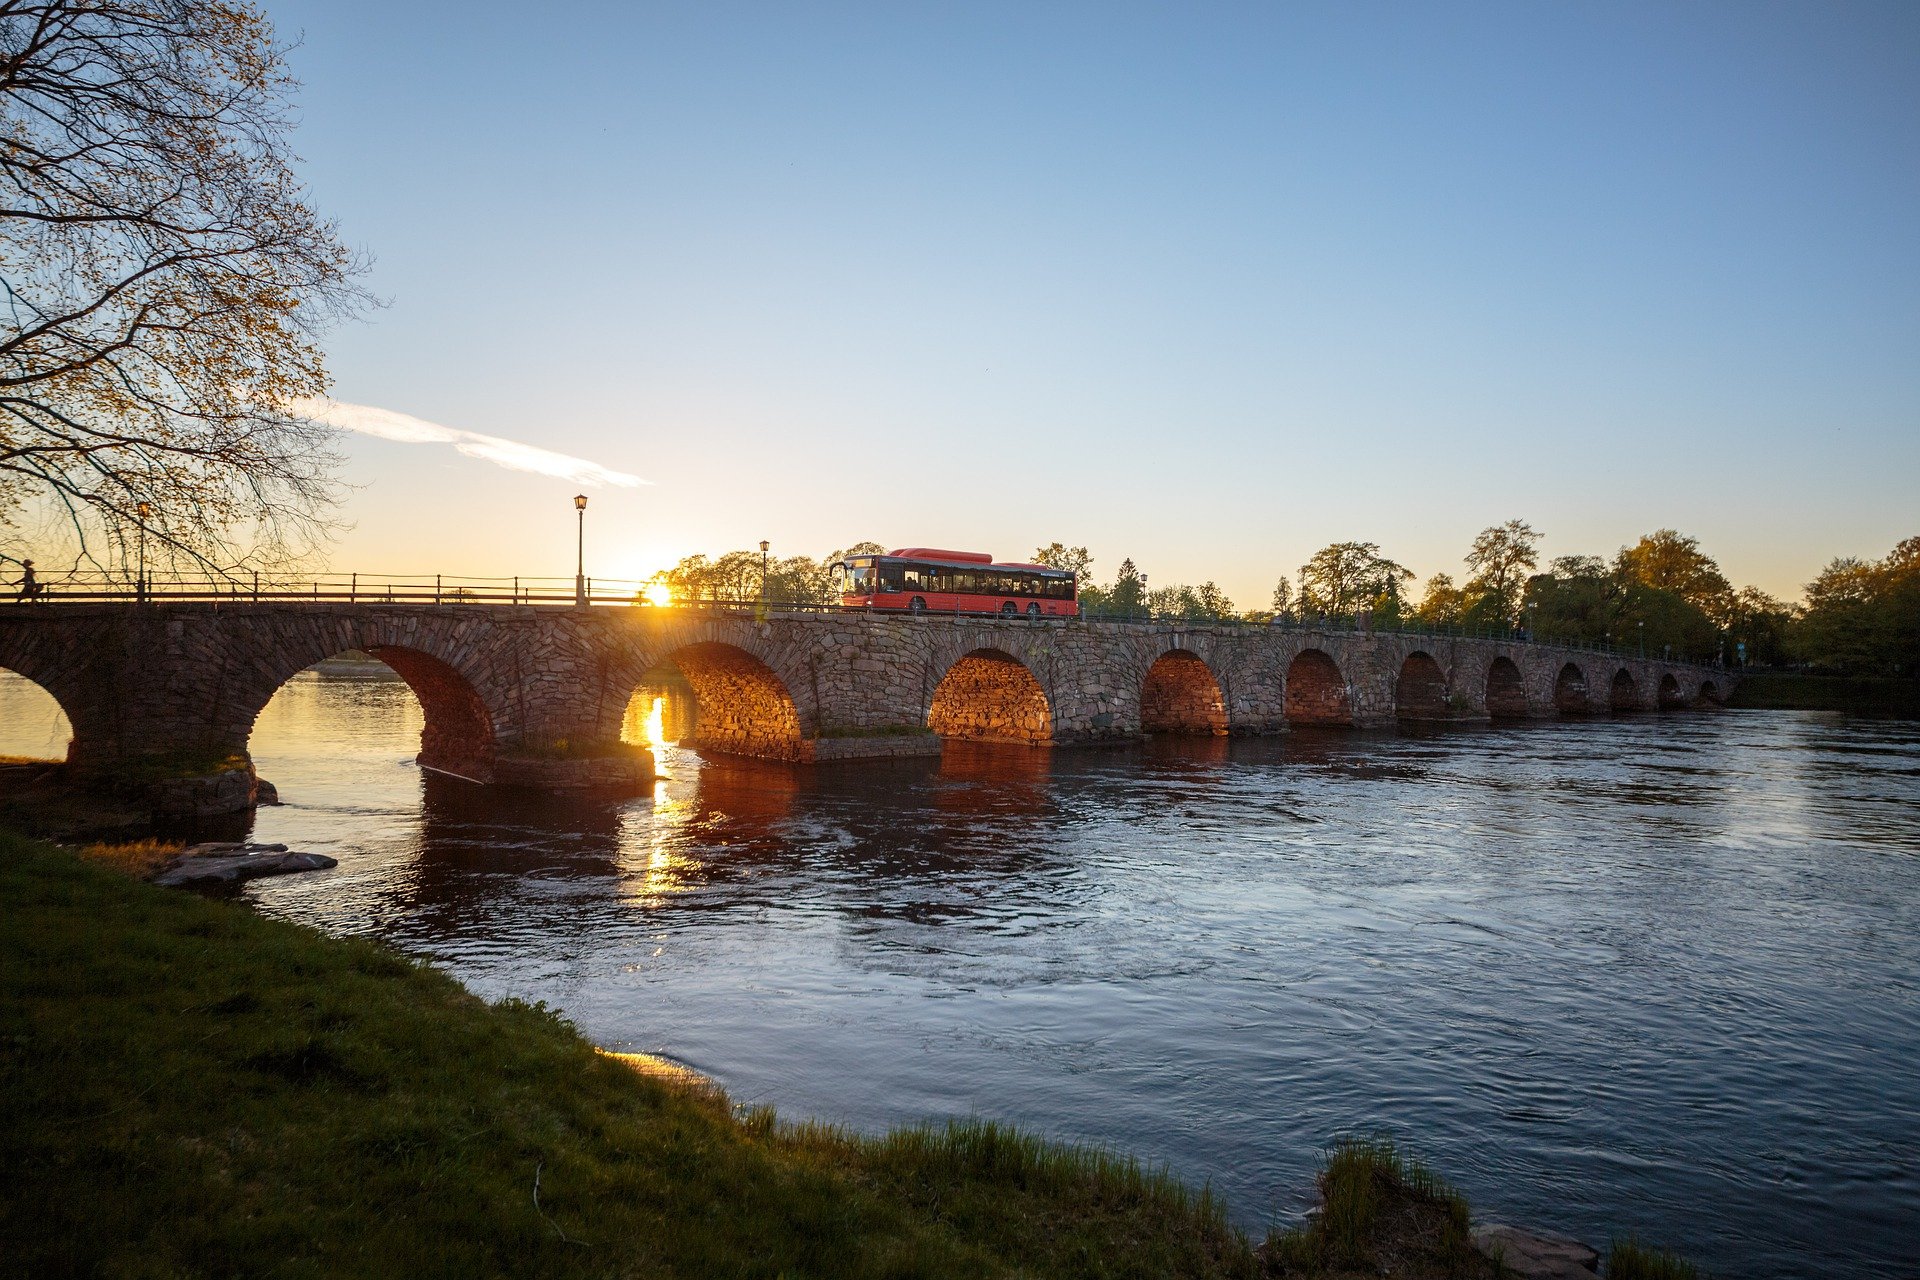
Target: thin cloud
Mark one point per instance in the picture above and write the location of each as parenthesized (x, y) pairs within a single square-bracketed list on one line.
[(385, 424)]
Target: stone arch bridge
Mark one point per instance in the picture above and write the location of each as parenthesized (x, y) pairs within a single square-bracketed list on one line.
[(534, 695)]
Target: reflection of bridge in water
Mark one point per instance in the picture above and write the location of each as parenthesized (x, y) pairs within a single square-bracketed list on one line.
[(536, 696)]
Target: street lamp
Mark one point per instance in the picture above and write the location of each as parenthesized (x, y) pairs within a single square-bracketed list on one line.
[(580, 561), (1641, 627), (145, 510), (763, 573)]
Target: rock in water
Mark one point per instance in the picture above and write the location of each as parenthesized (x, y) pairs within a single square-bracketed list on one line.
[(232, 868), (1536, 1255)]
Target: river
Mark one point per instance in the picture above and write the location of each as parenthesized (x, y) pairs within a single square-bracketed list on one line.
[(1654, 975)]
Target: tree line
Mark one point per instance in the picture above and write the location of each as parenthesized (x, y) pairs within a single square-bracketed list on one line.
[(1662, 595)]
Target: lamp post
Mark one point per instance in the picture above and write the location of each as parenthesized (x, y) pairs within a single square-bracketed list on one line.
[(1641, 627), (580, 559), (145, 509), (763, 572)]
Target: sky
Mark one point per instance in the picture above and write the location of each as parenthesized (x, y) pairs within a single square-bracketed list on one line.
[(1205, 285)]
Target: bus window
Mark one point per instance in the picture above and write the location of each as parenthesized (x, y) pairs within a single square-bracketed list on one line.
[(859, 578)]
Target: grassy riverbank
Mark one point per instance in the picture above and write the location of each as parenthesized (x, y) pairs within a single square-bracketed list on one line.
[(1862, 695), (194, 1089)]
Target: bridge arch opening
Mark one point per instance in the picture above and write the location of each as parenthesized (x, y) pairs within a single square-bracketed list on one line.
[(1709, 693), (1671, 699), (1316, 692), (1570, 696), (352, 702), (33, 724), (715, 697), (1181, 695), (1622, 696), (1420, 692), (990, 696), (1506, 691)]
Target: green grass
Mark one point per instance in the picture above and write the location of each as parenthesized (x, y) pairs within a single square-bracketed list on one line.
[(193, 1089), (1381, 1213), (1631, 1260)]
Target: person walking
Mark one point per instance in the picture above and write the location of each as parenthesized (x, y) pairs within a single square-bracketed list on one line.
[(30, 586)]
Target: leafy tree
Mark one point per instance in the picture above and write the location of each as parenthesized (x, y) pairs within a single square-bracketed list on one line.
[(1670, 561), (1349, 576), (1760, 622), (858, 549), (800, 580), (1864, 615), (1581, 599), (164, 284), (1205, 602), (1498, 559), (1074, 560), (1126, 598), (1441, 602), (1282, 597)]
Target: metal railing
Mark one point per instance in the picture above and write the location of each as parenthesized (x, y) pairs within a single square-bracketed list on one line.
[(446, 589)]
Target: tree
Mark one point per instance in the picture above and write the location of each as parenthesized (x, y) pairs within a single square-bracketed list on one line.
[(858, 549), (1074, 560), (1282, 597), (1127, 597), (1349, 576), (164, 283), (1497, 560), (1670, 561), (1761, 623), (1864, 615), (1440, 602)]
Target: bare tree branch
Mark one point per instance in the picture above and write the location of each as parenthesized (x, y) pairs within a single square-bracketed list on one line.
[(163, 283)]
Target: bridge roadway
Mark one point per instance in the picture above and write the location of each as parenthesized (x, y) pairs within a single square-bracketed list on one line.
[(535, 695)]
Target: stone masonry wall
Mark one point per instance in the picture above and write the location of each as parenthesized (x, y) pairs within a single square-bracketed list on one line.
[(1316, 691), (1180, 695), (538, 682), (991, 697)]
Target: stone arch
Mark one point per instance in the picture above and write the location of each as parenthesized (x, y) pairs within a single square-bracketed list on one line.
[(1316, 691), (1181, 695), (1670, 697), (1709, 693), (1571, 696), (1506, 690), (457, 732), (1420, 691), (1622, 695), (741, 705), (989, 695), (38, 720)]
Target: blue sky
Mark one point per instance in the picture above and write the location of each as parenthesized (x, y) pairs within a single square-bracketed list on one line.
[(1209, 286)]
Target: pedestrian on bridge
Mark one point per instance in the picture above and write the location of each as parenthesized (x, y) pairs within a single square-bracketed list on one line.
[(30, 587)]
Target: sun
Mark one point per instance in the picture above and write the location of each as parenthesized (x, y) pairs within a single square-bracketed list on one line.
[(658, 594)]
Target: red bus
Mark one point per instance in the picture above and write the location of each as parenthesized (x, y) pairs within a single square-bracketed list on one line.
[(922, 579)]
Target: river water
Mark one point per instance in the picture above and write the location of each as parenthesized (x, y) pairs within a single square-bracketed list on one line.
[(1657, 975)]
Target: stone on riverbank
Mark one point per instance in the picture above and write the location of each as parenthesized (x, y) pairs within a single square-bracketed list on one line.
[(1536, 1255), (230, 863), (209, 795)]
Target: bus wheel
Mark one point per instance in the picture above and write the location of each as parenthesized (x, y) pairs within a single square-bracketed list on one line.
[(916, 605), (1033, 609), (1008, 608)]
